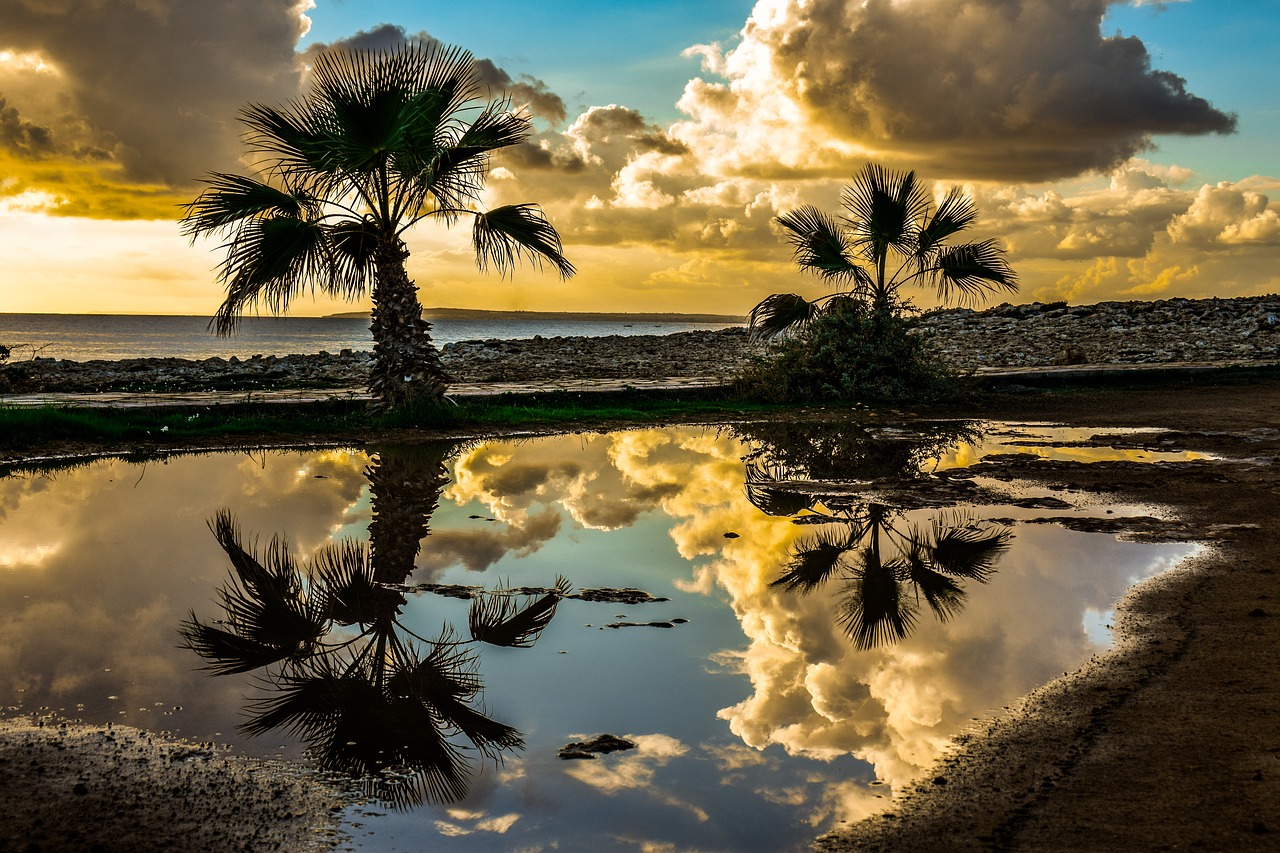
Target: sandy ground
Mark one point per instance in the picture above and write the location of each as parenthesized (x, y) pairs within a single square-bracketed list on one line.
[(1171, 742)]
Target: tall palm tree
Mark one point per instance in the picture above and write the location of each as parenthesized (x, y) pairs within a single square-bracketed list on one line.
[(890, 235), (383, 140)]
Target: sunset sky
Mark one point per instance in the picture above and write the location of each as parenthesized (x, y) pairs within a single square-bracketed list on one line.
[(1122, 150)]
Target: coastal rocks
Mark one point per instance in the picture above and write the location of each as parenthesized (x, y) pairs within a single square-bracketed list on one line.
[(1245, 329), (322, 370), (717, 354), (700, 354), (1163, 331)]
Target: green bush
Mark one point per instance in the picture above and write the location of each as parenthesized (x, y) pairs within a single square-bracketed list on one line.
[(850, 353)]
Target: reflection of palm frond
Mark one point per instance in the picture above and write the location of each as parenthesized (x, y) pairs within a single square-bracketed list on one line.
[(777, 502), (446, 680), (966, 551), (873, 610), (270, 616), (503, 620), (353, 727), (814, 559), (226, 652), (944, 596), (345, 572)]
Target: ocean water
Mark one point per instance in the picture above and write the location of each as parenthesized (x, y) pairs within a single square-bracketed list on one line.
[(83, 337)]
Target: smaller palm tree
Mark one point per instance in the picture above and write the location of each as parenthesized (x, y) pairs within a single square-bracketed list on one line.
[(890, 235)]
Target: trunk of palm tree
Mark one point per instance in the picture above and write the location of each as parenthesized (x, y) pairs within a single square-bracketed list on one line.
[(406, 364), (405, 484)]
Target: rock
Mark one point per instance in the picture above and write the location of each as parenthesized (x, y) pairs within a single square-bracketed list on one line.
[(1034, 335), (599, 745)]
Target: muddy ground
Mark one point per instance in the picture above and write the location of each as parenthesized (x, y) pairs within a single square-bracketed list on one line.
[(1170, 742)]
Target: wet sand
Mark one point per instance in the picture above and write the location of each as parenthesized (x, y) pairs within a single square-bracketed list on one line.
[(1172, 741), (91, 788)]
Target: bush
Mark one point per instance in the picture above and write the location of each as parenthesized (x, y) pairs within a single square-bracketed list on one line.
[(849, 353)]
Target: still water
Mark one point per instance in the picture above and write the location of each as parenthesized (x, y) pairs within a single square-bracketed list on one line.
[(823, 614)]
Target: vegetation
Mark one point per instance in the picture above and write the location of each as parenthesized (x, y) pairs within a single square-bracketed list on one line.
[(381, 142), (861, 341), (151, 430), (850, 352)]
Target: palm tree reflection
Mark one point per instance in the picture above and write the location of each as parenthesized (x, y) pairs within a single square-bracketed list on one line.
[(887, 569), (371, 697)]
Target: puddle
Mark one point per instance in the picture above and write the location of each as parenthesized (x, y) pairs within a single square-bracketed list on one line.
[(786, 622)]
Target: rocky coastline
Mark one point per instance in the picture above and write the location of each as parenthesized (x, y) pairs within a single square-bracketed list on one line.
[(1245, 329)]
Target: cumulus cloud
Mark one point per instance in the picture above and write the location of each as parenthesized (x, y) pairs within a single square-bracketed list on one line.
[(148, 80), (995, 89), (523, 91), (1227, 215)]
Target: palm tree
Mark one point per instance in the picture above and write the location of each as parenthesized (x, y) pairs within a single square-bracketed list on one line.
[(383, 140), (889, 236)]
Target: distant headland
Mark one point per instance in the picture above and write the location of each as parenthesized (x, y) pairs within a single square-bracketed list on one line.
[(584, 316)]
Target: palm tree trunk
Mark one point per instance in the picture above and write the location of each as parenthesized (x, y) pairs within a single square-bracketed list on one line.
[(406, 364), (405, 484)]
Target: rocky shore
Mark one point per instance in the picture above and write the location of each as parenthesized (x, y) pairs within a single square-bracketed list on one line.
[(1037, 334)]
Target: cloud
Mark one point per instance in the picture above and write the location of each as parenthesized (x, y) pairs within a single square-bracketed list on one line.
[(993, 89), (523, 91), (1226, 214), (151, 84)]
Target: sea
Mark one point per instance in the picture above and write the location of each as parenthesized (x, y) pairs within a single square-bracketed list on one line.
[(84, 337)]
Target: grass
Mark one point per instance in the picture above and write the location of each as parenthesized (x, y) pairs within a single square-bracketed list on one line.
[(27, 432), (24, 429)]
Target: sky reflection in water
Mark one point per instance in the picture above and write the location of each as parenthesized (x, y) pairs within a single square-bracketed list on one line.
[(759, 721)]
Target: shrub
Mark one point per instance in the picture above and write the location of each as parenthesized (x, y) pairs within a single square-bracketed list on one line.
[(850, 353)]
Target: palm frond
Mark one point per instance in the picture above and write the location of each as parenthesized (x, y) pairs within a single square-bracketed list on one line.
[(967, 551), (231, 199), (883, 209), (505, 234), (813, 560), (966, 272), (271, 261), (956, 213), (354, 246), (502, 620), (873, 610), (818, 244), (780, 314)]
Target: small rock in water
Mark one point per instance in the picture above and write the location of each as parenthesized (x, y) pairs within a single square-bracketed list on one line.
[(598, 745)]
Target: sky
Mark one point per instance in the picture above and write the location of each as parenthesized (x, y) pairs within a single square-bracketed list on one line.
[(1120, 150)]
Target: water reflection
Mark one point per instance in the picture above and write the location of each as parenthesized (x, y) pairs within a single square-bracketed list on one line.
[(371, 697), (883, 565), (759, 722)]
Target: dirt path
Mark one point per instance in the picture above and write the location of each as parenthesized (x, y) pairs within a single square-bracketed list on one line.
[(1172, 742)]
